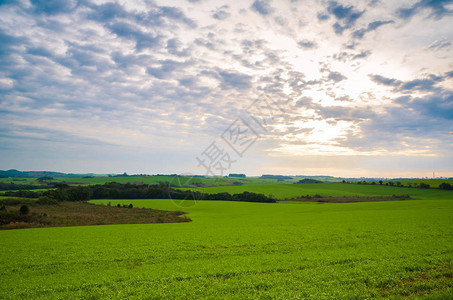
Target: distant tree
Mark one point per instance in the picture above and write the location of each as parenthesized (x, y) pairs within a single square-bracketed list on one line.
[(237, 175), (445, 186), (423, 185), (44, 178), (24, 210), (46, 200), (381, 182), (79, 193), (308, 180)]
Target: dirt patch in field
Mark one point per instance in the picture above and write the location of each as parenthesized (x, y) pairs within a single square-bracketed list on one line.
[(354, 199), (82, 214)]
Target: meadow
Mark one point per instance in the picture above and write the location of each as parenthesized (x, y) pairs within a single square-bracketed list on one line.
[(288, 191), (432, 182), (240, 250)]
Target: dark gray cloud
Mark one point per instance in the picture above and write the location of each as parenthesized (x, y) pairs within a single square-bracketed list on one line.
[(440, 45), (205, 43), (425, 84), (156, 16), (263, 7), (77, 57), (438, 105), (142, 39), (173, 13), (221, 13), (413, 119), (437, 8), (281, 20), (346, 16), (362, 54), (9, 43), (40, 51), (166, 69), (107, 12), (306, 44), (7, 2), (124, 61), (418, 84), (385, 81), (371, 27), (349, 56), (408, 126), (234, 80), (336, 77), (322, 16), (174, 46), (53, 7)]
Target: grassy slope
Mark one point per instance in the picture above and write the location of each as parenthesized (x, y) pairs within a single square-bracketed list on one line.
[(241, 250), (431, 182), (282, 191)]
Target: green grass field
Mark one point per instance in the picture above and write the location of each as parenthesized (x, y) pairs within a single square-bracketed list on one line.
[(242, 250), (287, 191), (432, 182)]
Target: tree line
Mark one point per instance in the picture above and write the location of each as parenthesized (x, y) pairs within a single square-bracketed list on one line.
[(4, 186), (114, 190), (421, 185)]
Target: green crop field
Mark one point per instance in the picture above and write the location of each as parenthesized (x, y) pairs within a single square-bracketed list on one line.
[(432, 182), (244, 250), (287, 191), (18, 180)]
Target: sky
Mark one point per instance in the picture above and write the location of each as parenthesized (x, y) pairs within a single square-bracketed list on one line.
[(295, 87)]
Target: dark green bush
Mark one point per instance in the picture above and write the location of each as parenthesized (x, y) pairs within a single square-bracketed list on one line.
[(24, 210), (46, 200)]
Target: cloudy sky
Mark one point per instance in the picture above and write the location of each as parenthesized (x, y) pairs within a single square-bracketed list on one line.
[(343, 88)]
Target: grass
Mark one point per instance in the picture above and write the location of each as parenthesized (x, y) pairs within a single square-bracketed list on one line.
[(241, 251), (18, 180), (432, 182), (288, 191)]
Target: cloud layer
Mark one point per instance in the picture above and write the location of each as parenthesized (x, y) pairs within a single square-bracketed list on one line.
[(145, 86)]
